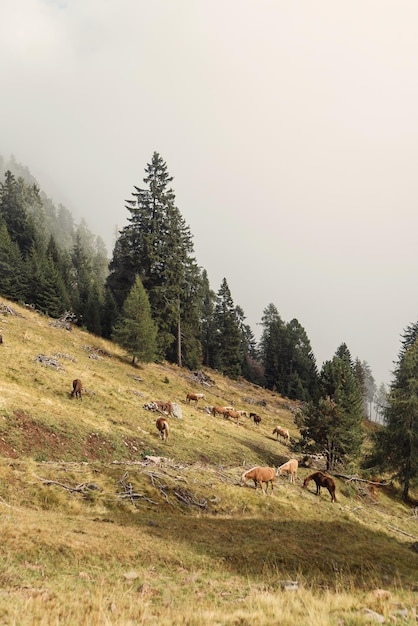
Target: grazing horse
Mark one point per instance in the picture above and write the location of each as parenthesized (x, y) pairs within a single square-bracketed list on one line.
[(283, 432), (321, 480), (221, 410), (235, 415), (77, 387), (164, 407), (163, 427), (195, 397), (290, 468), (259, 475), (256, 418)]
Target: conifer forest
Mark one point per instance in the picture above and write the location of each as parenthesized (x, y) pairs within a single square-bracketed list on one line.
[(153, 299)]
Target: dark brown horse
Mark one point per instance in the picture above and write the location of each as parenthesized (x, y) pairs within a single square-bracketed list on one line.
[(321, 480), (77, 387), (256, 418)]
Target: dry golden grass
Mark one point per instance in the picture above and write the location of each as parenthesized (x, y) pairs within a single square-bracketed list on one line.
[(93, 533)]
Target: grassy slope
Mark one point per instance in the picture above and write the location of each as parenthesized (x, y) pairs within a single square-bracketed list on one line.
[(190, 546)]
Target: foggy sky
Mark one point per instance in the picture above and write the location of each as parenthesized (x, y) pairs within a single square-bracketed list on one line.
[(290, 128)]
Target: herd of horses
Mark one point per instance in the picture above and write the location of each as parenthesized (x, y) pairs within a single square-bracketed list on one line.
[(266, 476), (260, 475)]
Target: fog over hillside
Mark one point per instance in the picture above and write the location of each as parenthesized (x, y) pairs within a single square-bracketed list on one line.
[(290, 130)]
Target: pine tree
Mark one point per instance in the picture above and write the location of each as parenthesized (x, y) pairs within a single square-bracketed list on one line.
[(109, 314), (12, 209), (157, 246), (301, 381), (287, 357), (272, 346), (207, 322), (10, 265), (334, 421), (49, 294), (250, 368), (227, 352), (87, 294), (396, 444), (136, 331)]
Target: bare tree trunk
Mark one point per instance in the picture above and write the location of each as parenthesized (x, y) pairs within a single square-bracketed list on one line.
[(179, 343)]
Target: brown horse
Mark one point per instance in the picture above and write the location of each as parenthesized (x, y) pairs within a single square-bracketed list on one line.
[(221, 410), (321, 480), (235, 415), (195, 397), (163, 427), (77, 387), (259, 475), (164, 407)]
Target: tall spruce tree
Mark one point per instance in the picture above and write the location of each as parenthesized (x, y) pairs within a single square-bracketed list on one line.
[(157, 245), (301, 382), (250, 367), (11, 264), (227, 349), (136, 330), (208, 331), (396, 443), (12, 208), (272, 347)]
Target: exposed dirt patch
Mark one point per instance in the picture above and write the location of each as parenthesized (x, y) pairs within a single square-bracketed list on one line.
[(98, 447), (24, 436)]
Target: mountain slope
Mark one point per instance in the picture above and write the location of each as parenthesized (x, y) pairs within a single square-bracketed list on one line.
[(103, 522)]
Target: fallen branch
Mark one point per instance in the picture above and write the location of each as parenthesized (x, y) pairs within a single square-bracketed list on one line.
[(398, 530), (132, 496), (128, 492), (78, 489), (361, 480), (189, 499)]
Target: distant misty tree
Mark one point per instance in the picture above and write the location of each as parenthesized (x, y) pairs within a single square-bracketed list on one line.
[(136, 330), (371, 388), (380, 403)]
